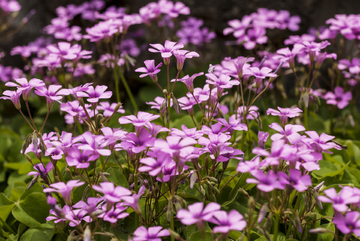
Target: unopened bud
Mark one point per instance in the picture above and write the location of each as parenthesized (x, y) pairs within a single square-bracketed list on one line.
[(320, 230), (33, 181), (262, 212), (175, 104), (174, 234), (170, 210), (193, 179), (87, 234)]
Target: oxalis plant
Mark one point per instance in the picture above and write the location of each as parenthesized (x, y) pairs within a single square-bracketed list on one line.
[(239, 155)]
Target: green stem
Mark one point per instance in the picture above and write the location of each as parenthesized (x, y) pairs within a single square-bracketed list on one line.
[(172, 226), (136, 215), (276, 228), (7, 226), (306, 118), (116, 83), (128, 91)]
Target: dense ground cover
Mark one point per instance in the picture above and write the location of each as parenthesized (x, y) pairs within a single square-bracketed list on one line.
[(262, 146)]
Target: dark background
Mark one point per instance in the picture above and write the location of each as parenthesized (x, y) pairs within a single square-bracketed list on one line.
[(215, 14)]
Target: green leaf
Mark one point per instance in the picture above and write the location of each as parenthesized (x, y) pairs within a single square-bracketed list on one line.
[(191, 193), (33, 210), (327, 236), (354, 152), (37, 234), (327, 169), (6, 205), (199, 236), (281, 237), (117, 177), (184, 120)]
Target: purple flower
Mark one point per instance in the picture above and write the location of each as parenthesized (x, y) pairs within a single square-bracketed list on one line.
[(338, 98), (189, 81), (134, 204), (339, 202), (113, 215), (142, 119), (260, 74), (137, 143), (262, 138), (152, 234), (238, 27), (235, 67), (284, 113), (14, 96), (91, 205), (52, 93), (150, 69), (181, 55), (75, 217), (353, 66), (159, 103), (320, 143), (221, 82), (113, 194), (349, 223), (68, 52), (266, 183), (102, 30), (166, 50), (9, 6), (26, 86), (154, 167), (95, 144), (79, 158), (289, 133), (295, 180), (95, 94), (286, 21), (173, 9), (197, 213), (226, 222), (108, 109), (186, 132), (64, 189), (41, 171), (249, 166), (73, 33), (178, 148), (24, 51), (279, 150), (252, 112), (254, 36)]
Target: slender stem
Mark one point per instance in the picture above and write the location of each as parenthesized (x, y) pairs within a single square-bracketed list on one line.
[(136, 215), (128, 91), (7, 226), (47, 116), (276, 227), (172, 226), (306, 117), (27, 120), (116, 82), (177, 76), (28, 109)]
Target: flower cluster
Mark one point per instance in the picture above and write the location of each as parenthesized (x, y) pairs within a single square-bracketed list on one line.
[(224, 166)]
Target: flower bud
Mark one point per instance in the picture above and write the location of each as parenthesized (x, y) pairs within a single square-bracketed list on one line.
[(87, 234), (170, 210), (262, 212)]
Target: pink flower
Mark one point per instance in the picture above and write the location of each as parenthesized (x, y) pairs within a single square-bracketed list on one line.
[(166, 50), (338, 98), (197, 213), (226, 222)]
